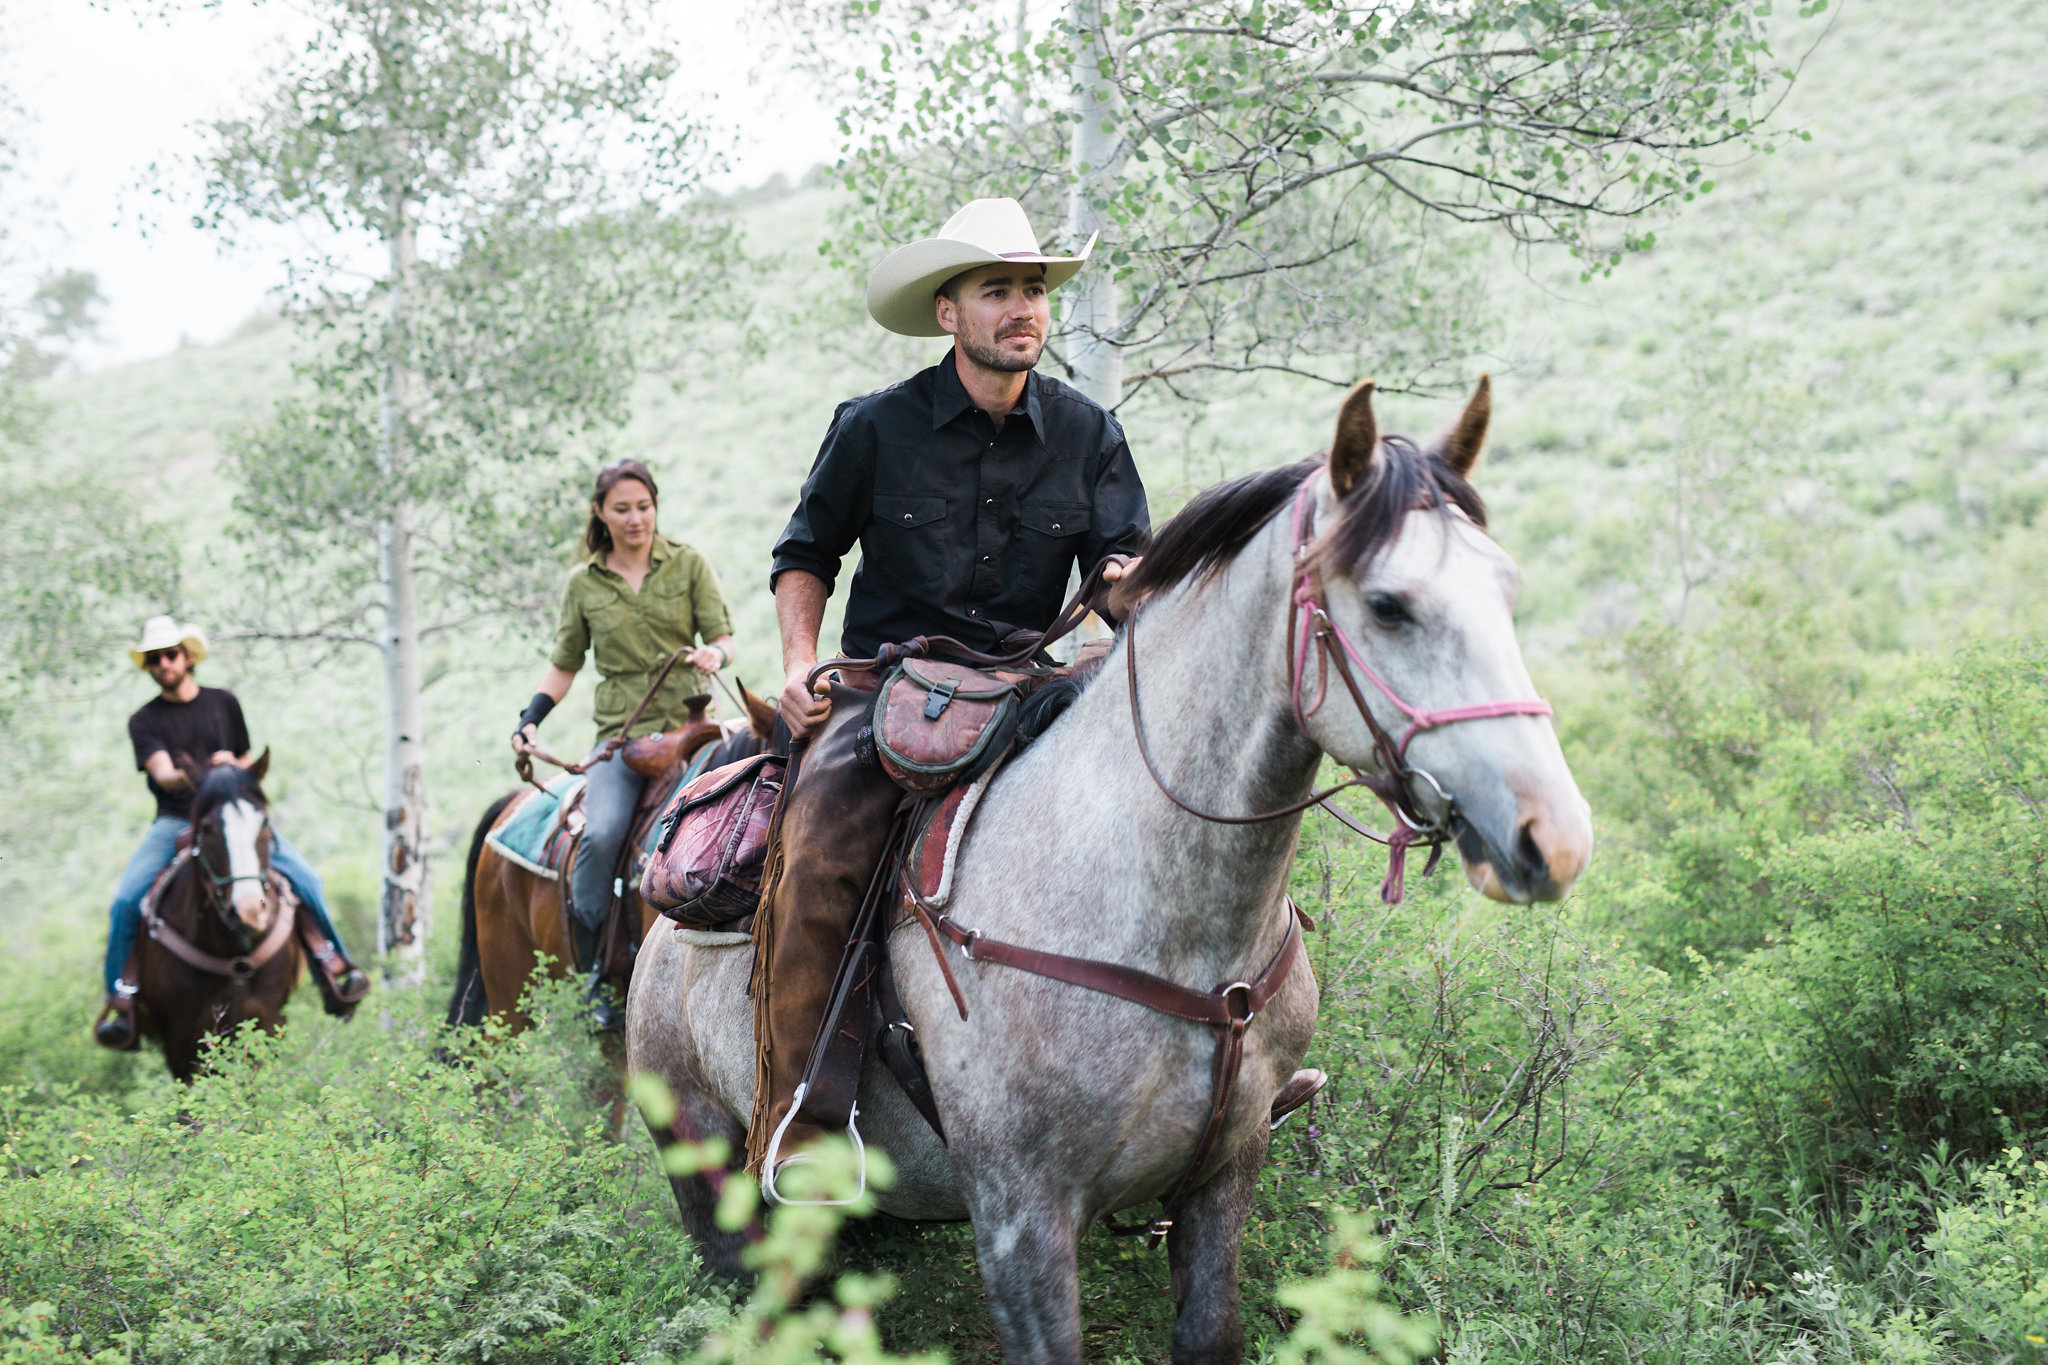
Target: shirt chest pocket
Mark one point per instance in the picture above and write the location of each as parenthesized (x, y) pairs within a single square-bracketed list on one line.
[(909, 512), (616, 642), (1058, 520)]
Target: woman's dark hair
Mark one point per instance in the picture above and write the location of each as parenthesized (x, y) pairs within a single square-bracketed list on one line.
[(597, 536)]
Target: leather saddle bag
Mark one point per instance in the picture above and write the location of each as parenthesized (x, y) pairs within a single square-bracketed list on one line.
[(936, 722), (713, 844)]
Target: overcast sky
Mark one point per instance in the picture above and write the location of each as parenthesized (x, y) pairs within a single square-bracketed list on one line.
[(107, 95)]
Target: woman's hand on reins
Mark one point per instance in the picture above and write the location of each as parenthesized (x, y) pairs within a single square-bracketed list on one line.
[(707, 658), (524, 738)]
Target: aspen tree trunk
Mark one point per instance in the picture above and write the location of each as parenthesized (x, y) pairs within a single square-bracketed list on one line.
[(1089, 300), (402, 920)]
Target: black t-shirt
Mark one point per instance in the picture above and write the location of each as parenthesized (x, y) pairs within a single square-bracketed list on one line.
[(199, 728)]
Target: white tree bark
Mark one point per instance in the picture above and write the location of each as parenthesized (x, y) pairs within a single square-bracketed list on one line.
[(1089, 300), (402, 918)]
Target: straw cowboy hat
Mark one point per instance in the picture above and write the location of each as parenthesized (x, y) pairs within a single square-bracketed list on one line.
[(161, 632), (986, 232)]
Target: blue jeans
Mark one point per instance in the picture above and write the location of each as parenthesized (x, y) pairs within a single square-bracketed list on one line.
[(611, 793), (154, 854)]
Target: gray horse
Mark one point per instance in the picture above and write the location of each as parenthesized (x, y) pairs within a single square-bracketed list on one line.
[(1061, 1105)]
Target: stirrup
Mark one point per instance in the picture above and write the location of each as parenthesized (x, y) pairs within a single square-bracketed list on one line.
[(768, 1163)]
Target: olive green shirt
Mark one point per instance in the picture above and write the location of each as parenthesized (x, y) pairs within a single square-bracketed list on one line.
[(633, 633)]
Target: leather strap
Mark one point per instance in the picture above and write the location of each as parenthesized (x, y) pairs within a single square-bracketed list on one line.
[(239, 968), (1229, 1010)]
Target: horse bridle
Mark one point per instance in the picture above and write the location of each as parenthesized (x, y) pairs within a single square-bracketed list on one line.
[(218, 893), (1403, 787), (239, 968)]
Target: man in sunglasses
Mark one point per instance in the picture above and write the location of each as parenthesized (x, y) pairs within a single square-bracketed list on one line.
[(202, 726)]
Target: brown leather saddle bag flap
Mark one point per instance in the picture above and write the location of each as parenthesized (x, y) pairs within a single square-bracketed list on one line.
[(713, 844), (935, 721), (655, 756)]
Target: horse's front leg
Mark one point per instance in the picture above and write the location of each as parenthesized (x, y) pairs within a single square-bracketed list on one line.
[(1026, 1241), (1202, 1250)]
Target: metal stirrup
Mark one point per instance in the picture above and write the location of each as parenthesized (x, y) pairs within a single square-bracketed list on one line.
[(768, 1163)]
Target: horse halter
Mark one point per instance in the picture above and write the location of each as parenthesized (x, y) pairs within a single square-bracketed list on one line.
[(1407, 790)]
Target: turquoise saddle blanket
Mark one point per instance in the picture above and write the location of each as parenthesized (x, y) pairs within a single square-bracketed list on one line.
[(534, 824)]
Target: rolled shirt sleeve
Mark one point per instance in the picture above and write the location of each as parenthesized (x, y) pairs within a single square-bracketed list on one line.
[(836, 501), (572, 632)]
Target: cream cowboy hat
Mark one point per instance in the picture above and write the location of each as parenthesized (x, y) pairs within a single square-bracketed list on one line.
[(986, 232), (161, 632)]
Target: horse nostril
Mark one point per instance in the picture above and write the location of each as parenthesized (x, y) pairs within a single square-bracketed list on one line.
[(1529, 853)]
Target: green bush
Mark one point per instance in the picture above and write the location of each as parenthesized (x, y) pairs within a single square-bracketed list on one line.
[(348, 1193)]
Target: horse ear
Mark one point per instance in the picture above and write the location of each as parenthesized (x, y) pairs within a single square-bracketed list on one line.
[(1458, 444), (1358, 436), (261, 765), (760, 714)]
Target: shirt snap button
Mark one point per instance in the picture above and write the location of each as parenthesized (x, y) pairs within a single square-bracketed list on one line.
[(906, 516), (1055, 526)]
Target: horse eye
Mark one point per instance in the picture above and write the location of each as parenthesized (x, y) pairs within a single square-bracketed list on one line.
[(1388, 609)]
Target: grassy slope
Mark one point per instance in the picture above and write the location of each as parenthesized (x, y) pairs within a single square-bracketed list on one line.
[(1864, 308)]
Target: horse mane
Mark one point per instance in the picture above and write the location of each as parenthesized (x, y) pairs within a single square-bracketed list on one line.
[(1220, 521), (223, 785)]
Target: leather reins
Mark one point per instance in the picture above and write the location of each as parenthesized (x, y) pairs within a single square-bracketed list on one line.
[(523, 762), (1309, 619)]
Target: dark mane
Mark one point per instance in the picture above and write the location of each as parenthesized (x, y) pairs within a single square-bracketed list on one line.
[(223, 785), (1403, 478), (1210, 531), (1213, 528)]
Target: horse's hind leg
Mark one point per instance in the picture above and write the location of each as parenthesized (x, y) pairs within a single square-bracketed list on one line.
[(698, 1120), (1027, 1247), (1202, 1250)]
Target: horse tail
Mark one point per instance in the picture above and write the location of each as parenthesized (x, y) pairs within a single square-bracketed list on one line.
[(468, 1005)]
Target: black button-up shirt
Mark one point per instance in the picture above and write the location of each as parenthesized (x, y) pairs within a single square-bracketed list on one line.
[(964, 530)]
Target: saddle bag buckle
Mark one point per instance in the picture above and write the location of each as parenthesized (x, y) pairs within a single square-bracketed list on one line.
[(939, 698)]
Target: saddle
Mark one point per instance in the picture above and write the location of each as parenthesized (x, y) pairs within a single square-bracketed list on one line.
[(1009, 709)]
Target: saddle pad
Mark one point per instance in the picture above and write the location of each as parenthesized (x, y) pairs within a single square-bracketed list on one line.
[(929, 861), (524, 838)]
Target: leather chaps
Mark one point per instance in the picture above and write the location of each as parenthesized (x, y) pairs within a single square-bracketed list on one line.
[(834, 828)]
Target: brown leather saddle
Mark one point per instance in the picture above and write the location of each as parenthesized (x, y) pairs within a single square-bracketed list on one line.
[(922, 847)]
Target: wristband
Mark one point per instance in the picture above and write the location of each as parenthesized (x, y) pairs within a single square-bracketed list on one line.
[(724, 655), (536, 711)]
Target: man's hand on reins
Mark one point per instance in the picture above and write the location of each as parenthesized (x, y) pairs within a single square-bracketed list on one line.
[(802, 709)]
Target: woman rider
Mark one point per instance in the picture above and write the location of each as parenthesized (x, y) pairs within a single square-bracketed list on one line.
[(636, 599)]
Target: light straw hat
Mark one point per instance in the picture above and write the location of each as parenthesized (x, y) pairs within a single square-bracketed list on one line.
[(986, 232), (161, 632)]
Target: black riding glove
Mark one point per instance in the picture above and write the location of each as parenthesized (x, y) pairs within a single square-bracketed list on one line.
[(536, 711)]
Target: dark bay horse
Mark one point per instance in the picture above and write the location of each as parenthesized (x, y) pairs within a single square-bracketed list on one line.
[(510, 913), (1313, 610), (217, 947)]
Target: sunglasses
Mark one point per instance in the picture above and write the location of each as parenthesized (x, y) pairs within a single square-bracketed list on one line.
[(157, 656)]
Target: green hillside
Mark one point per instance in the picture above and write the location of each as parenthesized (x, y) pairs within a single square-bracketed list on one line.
[(1845, 332)]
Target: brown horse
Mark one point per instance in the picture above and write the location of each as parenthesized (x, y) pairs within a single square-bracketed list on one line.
[(510, 913), (217, 948)]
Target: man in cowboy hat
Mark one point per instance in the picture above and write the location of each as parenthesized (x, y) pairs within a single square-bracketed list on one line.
[(202, 726), (974, 489)]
